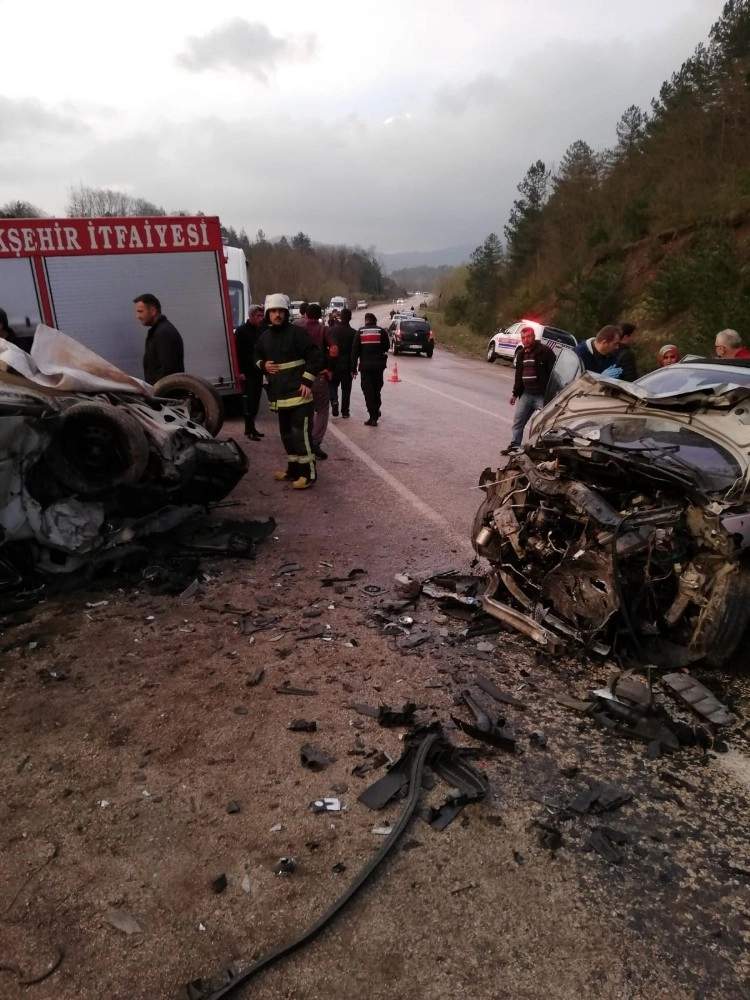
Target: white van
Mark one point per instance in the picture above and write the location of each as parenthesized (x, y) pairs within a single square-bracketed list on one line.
[(338, 302), (235, 264)]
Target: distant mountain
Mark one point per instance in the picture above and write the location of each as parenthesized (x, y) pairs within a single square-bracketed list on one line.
[(448, 256)]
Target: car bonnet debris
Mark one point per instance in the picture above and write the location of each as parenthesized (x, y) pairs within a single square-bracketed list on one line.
[(92, 461)]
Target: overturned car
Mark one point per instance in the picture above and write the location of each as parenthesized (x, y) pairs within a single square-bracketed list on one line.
[(92, 459), (625, 523)]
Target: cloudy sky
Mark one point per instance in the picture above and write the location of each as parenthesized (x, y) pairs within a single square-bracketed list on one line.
[(403, 124)]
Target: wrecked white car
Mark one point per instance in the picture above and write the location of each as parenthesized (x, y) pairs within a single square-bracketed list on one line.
[(91, 458), (625, 523)]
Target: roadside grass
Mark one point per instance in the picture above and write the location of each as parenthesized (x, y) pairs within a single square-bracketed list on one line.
[(459, 339)]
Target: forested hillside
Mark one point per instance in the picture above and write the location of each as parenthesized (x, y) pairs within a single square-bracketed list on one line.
[(655, 230)]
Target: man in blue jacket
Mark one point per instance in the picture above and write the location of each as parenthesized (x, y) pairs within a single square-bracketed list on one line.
[(598, 353)]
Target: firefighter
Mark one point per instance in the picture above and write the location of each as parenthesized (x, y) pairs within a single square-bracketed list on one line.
[(163, 353), (291, 360), (370, 352), (245, 338)]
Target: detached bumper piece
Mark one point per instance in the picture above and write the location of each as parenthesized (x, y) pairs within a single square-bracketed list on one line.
[(425, 745)]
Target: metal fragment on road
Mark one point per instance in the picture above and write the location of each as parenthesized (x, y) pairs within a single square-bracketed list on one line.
[(286, 688), (302, 726), (326, 805), (123, 921), (699, 698), (494, 692)]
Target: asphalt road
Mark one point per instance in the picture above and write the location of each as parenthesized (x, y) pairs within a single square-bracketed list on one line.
[(442, 424)]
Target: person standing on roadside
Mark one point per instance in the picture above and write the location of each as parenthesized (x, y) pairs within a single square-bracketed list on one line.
[(245, 338), (321, 335), (163, 352), (626, 355), (301, 320), (6, 332), (291, 360), (343, 337), (370, 353), (534, 366), (597, 352), (728, 344)]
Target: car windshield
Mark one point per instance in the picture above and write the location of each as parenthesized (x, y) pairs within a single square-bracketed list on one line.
[(414, 326), (666, 444), (689, 378)]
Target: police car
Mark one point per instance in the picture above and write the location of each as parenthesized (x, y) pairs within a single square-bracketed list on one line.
[(506, 343)]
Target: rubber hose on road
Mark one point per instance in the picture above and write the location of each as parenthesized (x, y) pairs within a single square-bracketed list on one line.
[(415, 790)]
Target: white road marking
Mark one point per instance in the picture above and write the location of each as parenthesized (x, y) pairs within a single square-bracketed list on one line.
[(455, 399), (459, 541)]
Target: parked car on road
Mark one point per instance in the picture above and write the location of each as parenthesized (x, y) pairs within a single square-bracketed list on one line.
[(362, 303), (505, 344), (410, 333), (625, 522)]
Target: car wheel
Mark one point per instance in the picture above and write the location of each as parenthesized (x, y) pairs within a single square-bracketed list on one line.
[(395, 350), (97, 446), (430, 351), (491, 355), (724, 619), (205, 405)]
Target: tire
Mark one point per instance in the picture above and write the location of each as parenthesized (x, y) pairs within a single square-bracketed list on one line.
[(205, 405), (491, 355), (429, 352), (97, 446), (725, 619), (396, 351)]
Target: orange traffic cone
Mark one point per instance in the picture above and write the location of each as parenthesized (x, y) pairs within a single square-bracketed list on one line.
[(393, 377)]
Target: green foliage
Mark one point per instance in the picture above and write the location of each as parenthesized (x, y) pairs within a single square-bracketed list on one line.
[(456, 310), (483, 281), (592, 300), (636, 218), (523, 231), (708, 282), (20, 210)]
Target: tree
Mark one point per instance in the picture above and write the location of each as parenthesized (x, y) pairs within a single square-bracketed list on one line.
[(483, 282), (730, 36), (21, 210), (301, 242), (88, 202), (522, 231), (630, 131)]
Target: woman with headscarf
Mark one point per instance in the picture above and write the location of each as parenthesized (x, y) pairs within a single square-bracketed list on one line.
[(668, 355)]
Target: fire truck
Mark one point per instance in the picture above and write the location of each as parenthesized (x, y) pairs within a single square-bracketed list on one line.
[(80, 276)]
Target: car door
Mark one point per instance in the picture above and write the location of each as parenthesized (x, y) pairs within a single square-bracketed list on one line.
[(567, 369)]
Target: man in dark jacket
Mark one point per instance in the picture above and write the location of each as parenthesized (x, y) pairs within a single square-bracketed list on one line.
[(370, 352), (321, 335), (341, 375), (291, 360), (245, 339), (534, 366), (163, 353), (626, 355), (6, 332)]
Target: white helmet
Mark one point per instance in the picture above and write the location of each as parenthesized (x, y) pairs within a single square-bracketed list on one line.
[(277, 301)]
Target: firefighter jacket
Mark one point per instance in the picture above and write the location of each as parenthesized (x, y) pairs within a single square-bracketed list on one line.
[(300, 360)]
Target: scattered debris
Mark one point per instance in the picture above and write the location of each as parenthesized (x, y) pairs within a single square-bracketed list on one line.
[(406, 587), (699, 698), (313, 759), (276, 828), (339, 868), (285, 866), (303, 726), (494, 692), (390, 717), (233, 807), (286, 688), (255, 677), (600, 796), (601, 841), (30, 979), (123, 921), (382, 831), (326, 805)]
